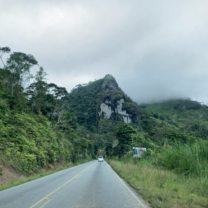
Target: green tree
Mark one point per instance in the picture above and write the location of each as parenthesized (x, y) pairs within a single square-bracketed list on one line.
[(37, 91), (18, 70), (124, 134), (15, 74), (4, 50)]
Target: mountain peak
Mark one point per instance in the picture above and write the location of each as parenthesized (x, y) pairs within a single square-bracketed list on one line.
[(109, 82), (109, 77)]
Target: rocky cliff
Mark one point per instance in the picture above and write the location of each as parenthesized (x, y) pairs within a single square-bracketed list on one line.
[(108, 109)]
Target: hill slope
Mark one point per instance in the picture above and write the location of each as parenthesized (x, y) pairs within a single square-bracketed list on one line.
[(190, 116), (101, 100)]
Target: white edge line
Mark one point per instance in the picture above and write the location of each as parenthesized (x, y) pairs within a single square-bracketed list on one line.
[(127, 188)]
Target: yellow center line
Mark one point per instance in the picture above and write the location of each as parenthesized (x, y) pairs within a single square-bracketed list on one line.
[(78, 176), (45, 204), (58, 188)]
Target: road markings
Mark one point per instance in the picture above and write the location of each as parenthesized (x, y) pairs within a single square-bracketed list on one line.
[(78, 176), (58, 188), (45, 204), (128, 188)]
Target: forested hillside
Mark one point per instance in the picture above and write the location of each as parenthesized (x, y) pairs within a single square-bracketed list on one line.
[(189, 116), (35, 130), (85, 100)]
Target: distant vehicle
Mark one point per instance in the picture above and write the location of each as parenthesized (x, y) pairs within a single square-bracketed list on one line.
[(100, 159)]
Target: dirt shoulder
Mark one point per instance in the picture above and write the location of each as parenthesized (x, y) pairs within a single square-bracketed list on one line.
[(8, 174)]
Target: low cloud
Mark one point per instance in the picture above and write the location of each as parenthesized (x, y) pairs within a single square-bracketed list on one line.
[(156, 50)]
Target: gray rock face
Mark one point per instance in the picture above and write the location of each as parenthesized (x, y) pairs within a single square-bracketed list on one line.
[(106, 108)]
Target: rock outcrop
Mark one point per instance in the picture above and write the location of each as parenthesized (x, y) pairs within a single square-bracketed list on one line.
[(106, 108)]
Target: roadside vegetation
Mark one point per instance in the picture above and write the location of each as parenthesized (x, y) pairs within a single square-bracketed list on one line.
[(172, 172), (175, 177), (36, 130)]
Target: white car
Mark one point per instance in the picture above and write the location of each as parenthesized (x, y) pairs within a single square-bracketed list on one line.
[(100, 159)]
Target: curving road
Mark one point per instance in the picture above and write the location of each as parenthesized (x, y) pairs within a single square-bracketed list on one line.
[(90, 185)]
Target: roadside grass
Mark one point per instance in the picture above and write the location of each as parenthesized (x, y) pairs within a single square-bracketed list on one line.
[(163, 188), (187, 159), (31, 178)]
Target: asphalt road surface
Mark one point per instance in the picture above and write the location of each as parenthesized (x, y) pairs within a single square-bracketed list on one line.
[(90, 185)]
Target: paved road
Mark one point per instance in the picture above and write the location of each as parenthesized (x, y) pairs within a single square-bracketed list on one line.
[(90, 185)]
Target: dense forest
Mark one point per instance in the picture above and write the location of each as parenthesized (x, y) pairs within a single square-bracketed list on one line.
[(35, 129)]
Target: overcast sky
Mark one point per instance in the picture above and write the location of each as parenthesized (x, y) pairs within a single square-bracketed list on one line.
[(156, 50)]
